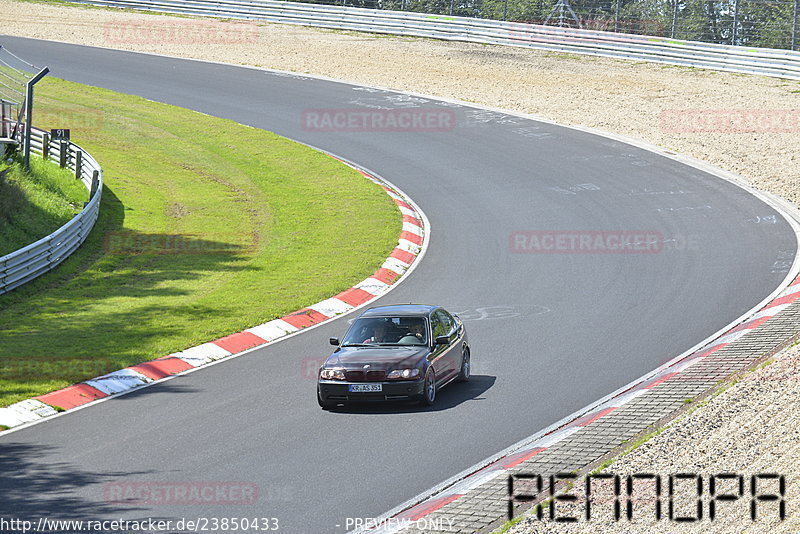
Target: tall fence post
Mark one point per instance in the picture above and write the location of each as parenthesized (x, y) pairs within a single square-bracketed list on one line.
[(794, 25), (78, 164), (735, 21), (95, 183), (616, 15), (26, 154), (26, 157), (505, 10), (63, 152), (674, 20)]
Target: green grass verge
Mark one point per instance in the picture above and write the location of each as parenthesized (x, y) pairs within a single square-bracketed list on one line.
[(508, 525), (36, 203), (511, 523), (206, 227)]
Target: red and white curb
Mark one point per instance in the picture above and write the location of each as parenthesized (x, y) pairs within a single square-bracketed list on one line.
[(410, 248), (397, 521)]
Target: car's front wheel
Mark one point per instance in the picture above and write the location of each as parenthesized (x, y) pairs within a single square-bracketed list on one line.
[(464, 374), (429, 389)]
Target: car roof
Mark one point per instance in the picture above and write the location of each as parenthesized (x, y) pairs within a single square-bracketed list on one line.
[(400, 309)]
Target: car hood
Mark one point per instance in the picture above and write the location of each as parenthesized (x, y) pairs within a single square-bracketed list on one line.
[(376, 357)]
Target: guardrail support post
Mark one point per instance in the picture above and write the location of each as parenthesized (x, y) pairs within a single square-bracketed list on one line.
[(62, 154), (78, 164), (45, 145), (95, 183)]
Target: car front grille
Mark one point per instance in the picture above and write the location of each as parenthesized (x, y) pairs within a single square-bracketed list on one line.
[(354, 376), (376, 376), (368, 376)]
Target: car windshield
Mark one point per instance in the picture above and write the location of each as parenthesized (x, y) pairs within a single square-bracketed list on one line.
[(381, 331)]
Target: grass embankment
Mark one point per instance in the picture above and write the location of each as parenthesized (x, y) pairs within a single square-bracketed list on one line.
[(206, 227), (35, 204)]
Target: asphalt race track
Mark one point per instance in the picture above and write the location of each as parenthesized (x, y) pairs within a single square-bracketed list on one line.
[(550, 332)]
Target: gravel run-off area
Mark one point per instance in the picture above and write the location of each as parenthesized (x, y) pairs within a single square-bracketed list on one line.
[(744, 124)]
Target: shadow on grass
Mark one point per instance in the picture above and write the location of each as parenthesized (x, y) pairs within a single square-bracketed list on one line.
[(111, 218), (22, 222), (56, 342), (157, 257)]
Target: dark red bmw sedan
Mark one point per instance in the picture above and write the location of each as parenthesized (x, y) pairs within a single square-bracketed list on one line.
[(401, 352)]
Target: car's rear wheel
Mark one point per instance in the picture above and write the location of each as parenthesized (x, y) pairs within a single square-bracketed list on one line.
[(464, 375), (429, 389), (325, 405)]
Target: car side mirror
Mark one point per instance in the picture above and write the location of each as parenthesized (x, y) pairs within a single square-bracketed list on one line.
[(442, 340), (334, 341)]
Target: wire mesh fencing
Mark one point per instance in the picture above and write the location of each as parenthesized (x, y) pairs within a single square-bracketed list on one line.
[(15, 74), (755, 23)]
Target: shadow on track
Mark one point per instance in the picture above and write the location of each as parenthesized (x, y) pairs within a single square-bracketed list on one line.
[(30, 489), (449, 397)]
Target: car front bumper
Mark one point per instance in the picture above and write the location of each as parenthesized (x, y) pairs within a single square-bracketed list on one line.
[(336, 391)]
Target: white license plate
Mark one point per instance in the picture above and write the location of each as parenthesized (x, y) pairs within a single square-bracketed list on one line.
[(365, 388)]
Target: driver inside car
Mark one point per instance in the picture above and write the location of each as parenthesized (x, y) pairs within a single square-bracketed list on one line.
[(415, 335), (379, 332)]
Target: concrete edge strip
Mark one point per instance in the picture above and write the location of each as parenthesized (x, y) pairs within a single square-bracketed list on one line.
[(404, 516), (411, 247)]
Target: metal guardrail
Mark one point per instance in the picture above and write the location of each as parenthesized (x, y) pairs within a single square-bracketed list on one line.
[(44, 255), (763, 61)]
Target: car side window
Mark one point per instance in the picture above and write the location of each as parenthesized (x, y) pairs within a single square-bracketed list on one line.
[(438, 325), (451, 323)]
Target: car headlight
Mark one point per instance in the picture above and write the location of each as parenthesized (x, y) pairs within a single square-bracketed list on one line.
[(332, 374), (400, 374)]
